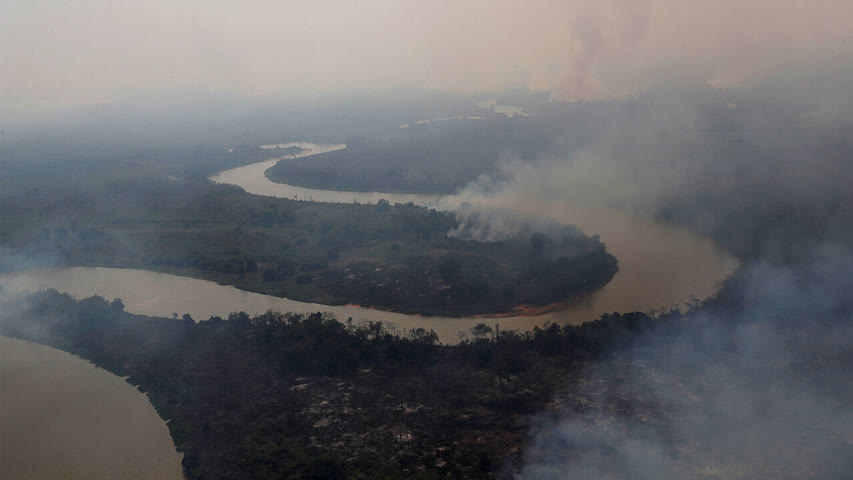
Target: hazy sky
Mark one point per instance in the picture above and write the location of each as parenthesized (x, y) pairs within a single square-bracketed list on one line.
[(55, 54)]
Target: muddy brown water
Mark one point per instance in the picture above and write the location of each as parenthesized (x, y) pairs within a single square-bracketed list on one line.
[(62, 417)]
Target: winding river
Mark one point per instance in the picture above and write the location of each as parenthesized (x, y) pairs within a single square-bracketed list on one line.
[(661, 266)]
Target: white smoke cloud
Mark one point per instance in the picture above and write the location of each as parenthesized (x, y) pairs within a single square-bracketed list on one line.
[(491, 224)]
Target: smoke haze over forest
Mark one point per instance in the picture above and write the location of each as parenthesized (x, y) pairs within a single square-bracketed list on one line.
[(725, 124), (64, 54)]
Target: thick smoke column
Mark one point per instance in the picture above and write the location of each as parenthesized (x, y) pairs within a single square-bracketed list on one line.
[(596, 31)]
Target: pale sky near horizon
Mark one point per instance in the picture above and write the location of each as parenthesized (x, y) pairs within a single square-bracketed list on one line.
[(59, 54)]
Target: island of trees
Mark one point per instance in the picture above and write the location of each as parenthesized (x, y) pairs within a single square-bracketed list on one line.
[(396, 257)]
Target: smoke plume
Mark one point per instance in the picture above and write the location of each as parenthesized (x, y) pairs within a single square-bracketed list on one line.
[(493, 224)]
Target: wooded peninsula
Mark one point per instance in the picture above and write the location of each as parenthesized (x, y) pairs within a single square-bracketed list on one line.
[(394, 257)]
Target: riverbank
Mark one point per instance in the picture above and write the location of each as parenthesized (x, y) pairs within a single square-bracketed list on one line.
[(152, 293)]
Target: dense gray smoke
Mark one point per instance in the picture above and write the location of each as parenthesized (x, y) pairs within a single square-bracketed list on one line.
[(760, 394)]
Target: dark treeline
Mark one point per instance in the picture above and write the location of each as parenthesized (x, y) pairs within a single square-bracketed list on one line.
[(310, 397), (435, 157), (175, 130), (46, 170)]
